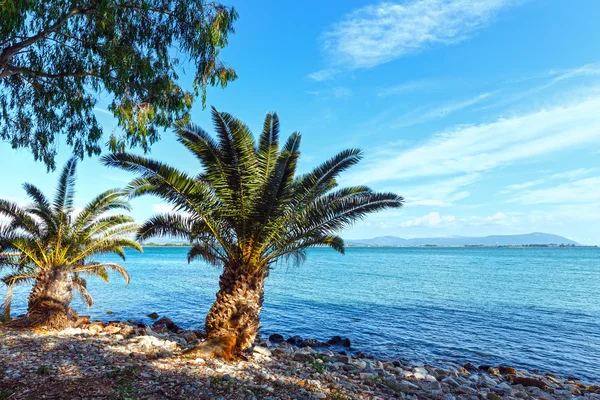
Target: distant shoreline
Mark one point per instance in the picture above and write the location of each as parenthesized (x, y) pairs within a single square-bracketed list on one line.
[(528, 246)]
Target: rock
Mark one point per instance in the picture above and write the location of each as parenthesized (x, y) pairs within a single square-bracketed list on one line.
[(525, 381), (95, 328), (334, 341), (262, 351), (109, 312), (430, 385), (320, 395), (366, 375), (342, 358), (470, 367), (345, 343), (279, 352), (112, 329), (127, 330), (164, 321), (486, 381), (294, 340), (81, 320), (492, 396), (310, 343), (450, 382), (153, 315), (189, 336), (276, 338), (160, 328), (302, 357), (507, 370)]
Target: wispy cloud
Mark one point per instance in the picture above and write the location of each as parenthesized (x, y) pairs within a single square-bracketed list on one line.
[(570, 175), (408, 87), (586, 190), (341, 92), (436, 220), (377, 34), (338, 92), (479, 148), (551, 79), (102, 110), (424, 114), (326, 74), (443, 193)]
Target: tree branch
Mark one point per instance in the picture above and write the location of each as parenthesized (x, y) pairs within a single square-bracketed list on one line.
[(9, 51)]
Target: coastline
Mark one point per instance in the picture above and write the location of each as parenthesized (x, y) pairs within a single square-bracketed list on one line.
[(128, 360)]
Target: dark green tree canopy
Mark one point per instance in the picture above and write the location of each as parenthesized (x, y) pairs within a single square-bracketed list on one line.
[(57, 58)]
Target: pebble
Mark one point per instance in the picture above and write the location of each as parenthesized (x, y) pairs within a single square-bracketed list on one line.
[(121, 355)]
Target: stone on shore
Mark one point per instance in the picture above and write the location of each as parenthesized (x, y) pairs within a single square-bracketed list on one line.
[(126, 360)]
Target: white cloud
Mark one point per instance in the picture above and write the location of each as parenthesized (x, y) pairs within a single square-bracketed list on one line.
[(428, 203), (341, 92), (586, 190), (566, 175), (323, 75), (524, 185), (433, 219), (408, 87), (103, 111), (376, 34), (436, 220), (479, 148), (442, 193), (579, 73), (422, 114)]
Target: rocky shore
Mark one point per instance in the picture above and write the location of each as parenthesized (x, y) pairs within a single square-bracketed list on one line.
[(133, 361)]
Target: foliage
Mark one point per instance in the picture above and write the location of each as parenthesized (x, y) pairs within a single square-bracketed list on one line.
[(247, 207), (58, 58), (319, 364), (50, 234), (43, 370)]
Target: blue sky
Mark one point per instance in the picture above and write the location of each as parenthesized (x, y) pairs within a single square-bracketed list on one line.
[(484, 114)]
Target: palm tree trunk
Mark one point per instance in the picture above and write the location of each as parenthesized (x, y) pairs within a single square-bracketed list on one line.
[(233, 320), (50, 300)]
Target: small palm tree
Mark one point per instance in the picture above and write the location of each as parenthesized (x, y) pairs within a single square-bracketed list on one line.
[(246, 210), (50, 245)]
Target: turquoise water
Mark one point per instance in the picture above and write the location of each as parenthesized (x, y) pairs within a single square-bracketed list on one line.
[(531, 308)]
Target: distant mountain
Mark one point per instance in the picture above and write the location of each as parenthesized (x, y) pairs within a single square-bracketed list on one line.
[(536, 238)]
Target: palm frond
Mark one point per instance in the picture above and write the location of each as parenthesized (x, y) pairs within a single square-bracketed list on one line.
[(100, 269), (172, 225), (19, 219), (206, 252), (106, 201), (268, 144), (80, 285), (65, 191)]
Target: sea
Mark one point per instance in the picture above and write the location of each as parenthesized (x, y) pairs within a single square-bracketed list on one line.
[(531, 308)]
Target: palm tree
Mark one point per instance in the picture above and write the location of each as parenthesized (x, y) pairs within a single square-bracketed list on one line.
[(246, 210), (50, 245)]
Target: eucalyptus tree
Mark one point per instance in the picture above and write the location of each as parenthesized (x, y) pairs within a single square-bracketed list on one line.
[(245, 210), (50, 245), (58, 58)]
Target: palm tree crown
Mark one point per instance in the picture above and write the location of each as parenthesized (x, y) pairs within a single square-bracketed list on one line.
[(48, 235), (246, 205)]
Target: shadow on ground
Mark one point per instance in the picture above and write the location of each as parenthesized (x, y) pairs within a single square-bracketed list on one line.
[(56, 366)]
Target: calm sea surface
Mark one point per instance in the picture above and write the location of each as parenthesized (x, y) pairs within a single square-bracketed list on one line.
[(530, 308)]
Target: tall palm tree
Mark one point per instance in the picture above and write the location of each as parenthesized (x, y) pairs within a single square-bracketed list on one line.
[(50, 245), (246, 210)]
